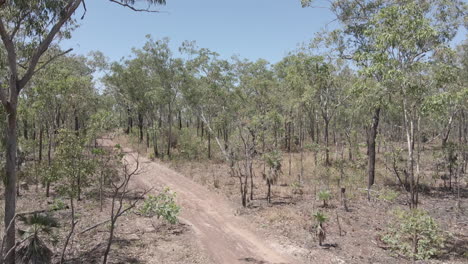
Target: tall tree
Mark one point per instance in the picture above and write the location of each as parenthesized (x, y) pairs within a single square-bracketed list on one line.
[(27, 29)]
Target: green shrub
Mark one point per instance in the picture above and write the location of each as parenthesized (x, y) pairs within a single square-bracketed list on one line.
[(320, 218), (324, 196), (414, 234), (162, 205), (388, 195), (58, 204), (190, 145)]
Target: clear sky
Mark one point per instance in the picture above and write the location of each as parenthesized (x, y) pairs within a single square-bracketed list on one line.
[(252, 29)]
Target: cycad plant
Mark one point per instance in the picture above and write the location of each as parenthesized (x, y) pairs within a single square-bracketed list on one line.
[(34, 250), (321, 218), (324, 196), (273, 160)]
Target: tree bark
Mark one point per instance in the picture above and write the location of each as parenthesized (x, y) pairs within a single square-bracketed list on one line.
[(169, 133), (140, 125), (10, 185), (371, 149)]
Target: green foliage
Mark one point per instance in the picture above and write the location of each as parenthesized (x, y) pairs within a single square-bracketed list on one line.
[(72, 164), (58, 204), (324, 196), (162, 205), (34, 250), (273, 159), (414, 234), (388, 195), (191, 146), (320, 217)]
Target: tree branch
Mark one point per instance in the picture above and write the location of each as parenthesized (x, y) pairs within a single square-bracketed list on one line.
[(135, 9), (50, 60), (11, 52), (44, 45)]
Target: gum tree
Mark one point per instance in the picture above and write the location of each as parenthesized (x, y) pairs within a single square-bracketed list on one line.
[(27, 29)]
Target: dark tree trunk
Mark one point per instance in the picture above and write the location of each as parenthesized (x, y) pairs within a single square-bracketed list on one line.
[(180, 120), (129, 122), (269, 191), (140, 126), (147, 139), (34, 132), (77, 124), (25, 129), (169, 133), (202, 129), (41, 134), (155, 144), (326, 138), (371, 148)]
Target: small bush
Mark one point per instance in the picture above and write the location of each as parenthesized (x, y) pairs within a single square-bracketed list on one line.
[(414, 234), (388, 195), (320, 218), (191, 147), (58, 204), (162, 205), (324, 196)]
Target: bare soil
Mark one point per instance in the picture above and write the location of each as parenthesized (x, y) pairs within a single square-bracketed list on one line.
[(214, 228)]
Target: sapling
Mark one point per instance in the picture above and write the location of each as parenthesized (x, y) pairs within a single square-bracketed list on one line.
[(321, 218)]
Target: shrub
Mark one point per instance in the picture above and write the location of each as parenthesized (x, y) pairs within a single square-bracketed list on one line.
[(320, 218), (191, 146), (414, 234), (324, 196), (388, 195), (58, 204), (162, 205)]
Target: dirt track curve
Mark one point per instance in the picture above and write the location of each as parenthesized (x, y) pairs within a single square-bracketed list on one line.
[(225, 237)]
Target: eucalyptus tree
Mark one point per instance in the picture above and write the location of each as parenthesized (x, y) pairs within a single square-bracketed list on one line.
[(354, 41), (258, 92), (208, 91), (405, 36), (27, 29)]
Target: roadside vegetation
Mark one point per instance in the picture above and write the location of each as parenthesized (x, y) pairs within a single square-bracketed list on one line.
[(355, 142)]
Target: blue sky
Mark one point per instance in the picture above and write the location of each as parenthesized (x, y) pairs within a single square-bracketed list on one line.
[(252, 29)]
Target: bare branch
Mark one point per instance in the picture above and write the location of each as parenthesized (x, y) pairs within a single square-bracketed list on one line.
[(136, 9), (44, 45), (51, 59)]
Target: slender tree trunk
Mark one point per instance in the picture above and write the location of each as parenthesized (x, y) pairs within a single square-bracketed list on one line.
[(140, 126), (77, 124), (25, 129), (41, 134), (147, 139), (371, 150), (180, 120), (49, 160), (326, 138), (209, 145), (269, 191), (10, 185), (169, 134)]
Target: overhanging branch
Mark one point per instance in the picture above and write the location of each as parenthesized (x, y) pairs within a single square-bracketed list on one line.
[(50, 60), (135, 9), (44, 45)]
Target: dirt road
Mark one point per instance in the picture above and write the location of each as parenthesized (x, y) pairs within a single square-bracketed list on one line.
[(225, 237)]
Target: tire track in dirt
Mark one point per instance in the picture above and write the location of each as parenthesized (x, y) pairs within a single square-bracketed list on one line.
[(226, 238)]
